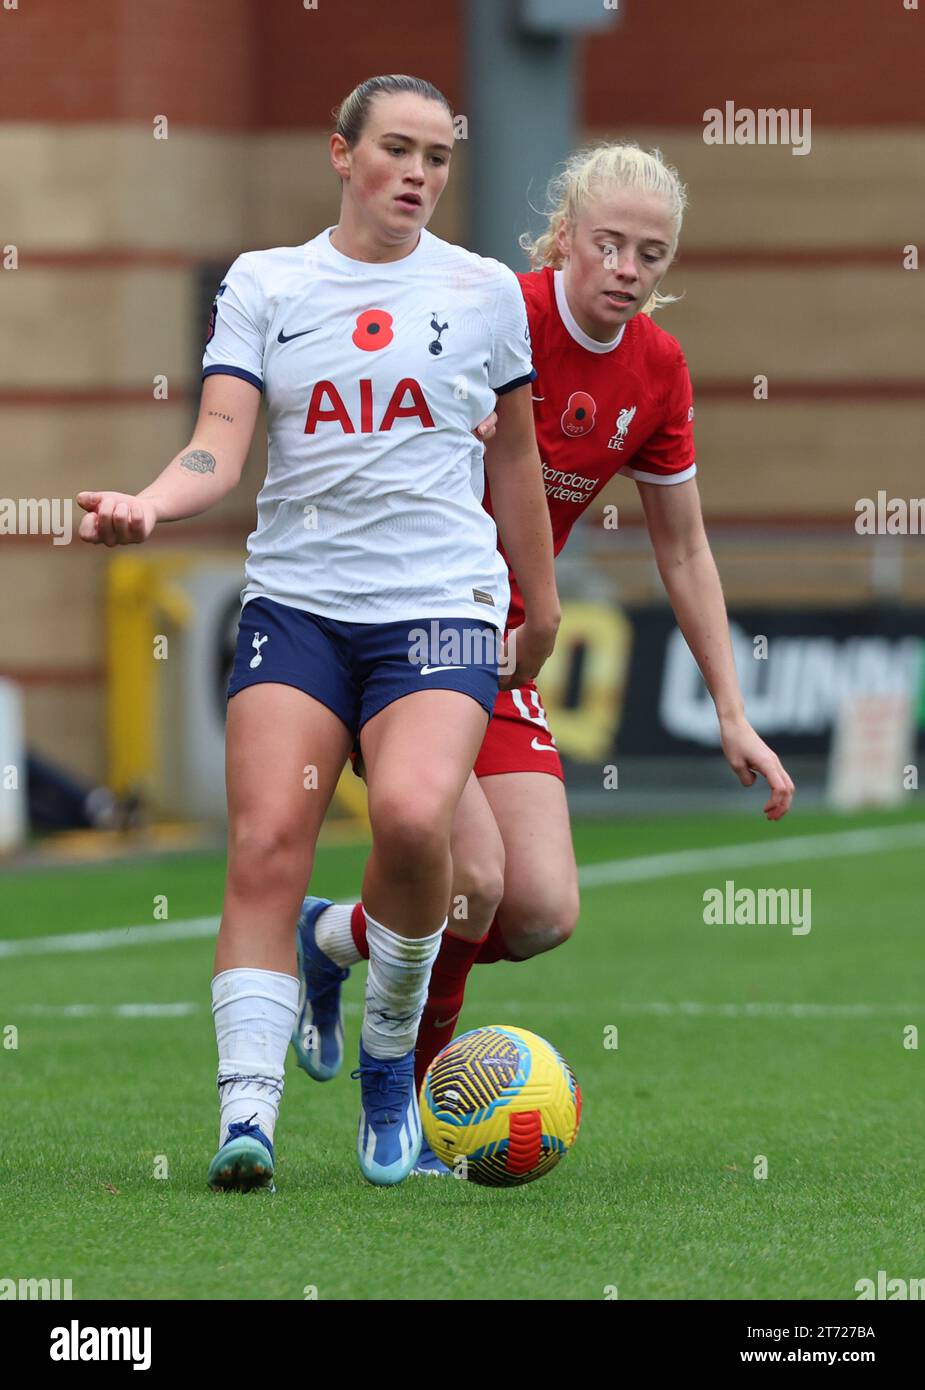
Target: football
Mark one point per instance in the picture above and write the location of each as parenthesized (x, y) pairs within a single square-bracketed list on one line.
[(500, 1106)]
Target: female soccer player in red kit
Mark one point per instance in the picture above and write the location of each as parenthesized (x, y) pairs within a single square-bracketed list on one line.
[(613, 394)]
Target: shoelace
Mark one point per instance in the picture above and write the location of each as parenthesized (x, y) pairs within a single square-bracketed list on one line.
[(391, 1091), (243, 1129), (323, 985)]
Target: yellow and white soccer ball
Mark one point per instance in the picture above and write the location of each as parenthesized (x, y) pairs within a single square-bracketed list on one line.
[(500, 1106)]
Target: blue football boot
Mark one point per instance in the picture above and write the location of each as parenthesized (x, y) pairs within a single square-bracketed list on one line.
[(318, 1036), (428, 1164), (244, 1162), (389, 1137)]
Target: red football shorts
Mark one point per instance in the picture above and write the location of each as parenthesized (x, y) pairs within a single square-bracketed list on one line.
[(518, 737)]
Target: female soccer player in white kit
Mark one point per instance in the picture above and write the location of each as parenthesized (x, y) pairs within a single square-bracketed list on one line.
[(378, 348)]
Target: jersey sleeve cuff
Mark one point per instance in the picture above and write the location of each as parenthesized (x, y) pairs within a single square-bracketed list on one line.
[(233, 371), (639, 475), (518, 381)]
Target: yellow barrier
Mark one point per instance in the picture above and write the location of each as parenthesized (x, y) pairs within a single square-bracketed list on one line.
[(600, 637), (138, 592)]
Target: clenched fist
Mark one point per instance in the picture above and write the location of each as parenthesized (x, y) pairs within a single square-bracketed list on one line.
[(116, 518)]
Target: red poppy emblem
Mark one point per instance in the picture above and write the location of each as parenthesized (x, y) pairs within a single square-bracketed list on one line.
[(373, 330), (578, 416)]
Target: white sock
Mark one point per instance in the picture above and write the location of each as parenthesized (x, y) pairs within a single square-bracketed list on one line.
[(396, 988), (334, 937), (255, 1013)]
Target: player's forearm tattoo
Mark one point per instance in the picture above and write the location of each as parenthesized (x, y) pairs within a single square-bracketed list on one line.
[(220, 415), (198, 461)]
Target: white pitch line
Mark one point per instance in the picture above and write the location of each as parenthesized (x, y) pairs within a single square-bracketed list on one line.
[(789, 850), (108, 1010), (684, 1009), (694, 1009), (792, 849), (187, 929)]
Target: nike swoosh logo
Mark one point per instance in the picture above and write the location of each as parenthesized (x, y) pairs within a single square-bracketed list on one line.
[(445, 1022), (543, 747), (288, 337), (429, 670)]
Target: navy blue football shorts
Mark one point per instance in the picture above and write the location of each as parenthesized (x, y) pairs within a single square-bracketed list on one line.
[(356, 669)]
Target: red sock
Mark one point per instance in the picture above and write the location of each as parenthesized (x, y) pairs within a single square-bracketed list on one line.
[(491, 948), (358, 930), (444, 999), (494, 947)]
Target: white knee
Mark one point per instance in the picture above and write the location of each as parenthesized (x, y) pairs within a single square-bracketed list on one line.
[(478, 888), (531, 927)]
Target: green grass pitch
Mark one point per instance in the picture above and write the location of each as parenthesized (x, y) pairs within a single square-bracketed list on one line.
[(659, 1198)]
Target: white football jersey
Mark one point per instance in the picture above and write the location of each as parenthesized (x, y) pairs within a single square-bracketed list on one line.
[(375, 376)]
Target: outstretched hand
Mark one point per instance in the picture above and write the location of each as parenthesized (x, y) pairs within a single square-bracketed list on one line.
[(749, 756)]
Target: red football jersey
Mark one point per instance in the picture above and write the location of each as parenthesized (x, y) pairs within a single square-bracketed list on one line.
[(601, 408)]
